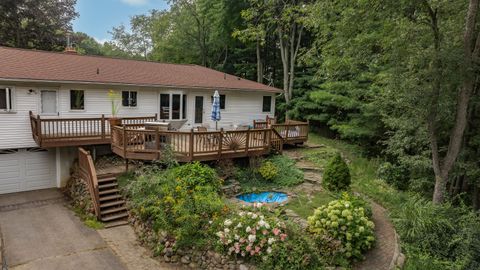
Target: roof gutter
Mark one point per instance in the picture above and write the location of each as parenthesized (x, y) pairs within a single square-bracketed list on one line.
[(274, 90)]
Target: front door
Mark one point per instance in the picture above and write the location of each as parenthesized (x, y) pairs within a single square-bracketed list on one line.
[(198, 109)]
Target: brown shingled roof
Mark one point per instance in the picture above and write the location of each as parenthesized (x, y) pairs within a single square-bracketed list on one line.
[(21, 64)]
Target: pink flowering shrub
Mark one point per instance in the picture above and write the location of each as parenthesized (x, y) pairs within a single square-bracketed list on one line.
[(251, 232)]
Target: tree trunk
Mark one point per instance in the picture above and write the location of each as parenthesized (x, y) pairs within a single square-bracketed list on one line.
[(463, 100), (292, 60), (285, 57), (259, 62)]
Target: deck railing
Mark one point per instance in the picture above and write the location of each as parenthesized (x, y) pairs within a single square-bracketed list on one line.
[(138, 143), (292, 131), (88, 173), (277, 141), (53, 132)]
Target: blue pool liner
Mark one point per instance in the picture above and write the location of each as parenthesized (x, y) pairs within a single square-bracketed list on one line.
[(263, 197)]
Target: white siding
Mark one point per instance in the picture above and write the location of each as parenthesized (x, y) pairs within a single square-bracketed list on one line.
[(242, 107), (98, 103), (15, 130)]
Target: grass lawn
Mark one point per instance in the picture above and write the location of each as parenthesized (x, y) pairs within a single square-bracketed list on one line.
[(362, 169), (363, 172), (304, 205)]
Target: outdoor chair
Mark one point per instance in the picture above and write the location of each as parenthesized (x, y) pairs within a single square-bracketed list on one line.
[(206, 140)]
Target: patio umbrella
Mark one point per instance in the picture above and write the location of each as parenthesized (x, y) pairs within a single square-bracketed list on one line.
[(216, 109)]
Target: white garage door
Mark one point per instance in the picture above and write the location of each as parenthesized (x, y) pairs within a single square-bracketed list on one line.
[(26, 169)]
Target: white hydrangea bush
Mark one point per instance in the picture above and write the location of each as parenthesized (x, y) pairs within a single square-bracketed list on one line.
[(342, 221)]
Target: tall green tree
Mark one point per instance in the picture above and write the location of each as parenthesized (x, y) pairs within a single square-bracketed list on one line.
[(39, 24), (137, 40), (284, 20)]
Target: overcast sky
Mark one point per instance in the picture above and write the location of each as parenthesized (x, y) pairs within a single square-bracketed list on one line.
[(97, 17)]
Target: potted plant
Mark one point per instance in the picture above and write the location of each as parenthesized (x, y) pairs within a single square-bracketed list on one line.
[(114, 99)]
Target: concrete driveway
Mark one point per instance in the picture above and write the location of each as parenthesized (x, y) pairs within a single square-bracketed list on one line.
[(39, 232)]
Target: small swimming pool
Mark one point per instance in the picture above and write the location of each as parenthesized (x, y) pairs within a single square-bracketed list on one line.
[(264, 197)]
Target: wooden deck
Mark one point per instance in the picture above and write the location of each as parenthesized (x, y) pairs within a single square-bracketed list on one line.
[(132, 141), (135, 142), (58, 132)]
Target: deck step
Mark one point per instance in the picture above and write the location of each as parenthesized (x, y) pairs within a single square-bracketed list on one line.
[(113, 210), (109, 198), (106, 179), (108, 191), (114, 217), (116, 223), (110, 204), (109, 185)]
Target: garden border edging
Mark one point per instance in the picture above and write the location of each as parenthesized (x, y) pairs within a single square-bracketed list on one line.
[(398, 258)]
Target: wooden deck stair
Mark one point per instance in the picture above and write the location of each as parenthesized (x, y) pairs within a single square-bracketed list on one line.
[(113, 211)]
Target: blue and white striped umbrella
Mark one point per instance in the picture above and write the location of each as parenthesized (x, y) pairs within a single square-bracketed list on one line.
[(216, 109)]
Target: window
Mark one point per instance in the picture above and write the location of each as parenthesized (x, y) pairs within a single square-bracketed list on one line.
[(129, 98), (222, 102), (6, 97), (267, 104), (184, 107), (164, 106), (77, 100)]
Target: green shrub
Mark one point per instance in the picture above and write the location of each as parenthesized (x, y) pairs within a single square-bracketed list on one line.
[(288, 175), (194, 175), (336, 175), (396, 175), (342, 221), (268, 170), (441, 233), (181, 201), (297, 252), (357, 202)]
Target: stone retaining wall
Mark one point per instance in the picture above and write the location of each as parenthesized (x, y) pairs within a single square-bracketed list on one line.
[(77, 190), (185, 258)]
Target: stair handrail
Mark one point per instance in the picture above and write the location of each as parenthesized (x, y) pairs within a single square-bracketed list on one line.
[(276, 137), (88, 173)]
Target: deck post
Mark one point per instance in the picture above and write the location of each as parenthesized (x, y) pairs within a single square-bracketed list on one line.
[(191, 145), (247, 141), (267, 138), (103, 126), (39, 130), (124, 142), (287, 126), (220, 143), (157, 142), (156, 116)]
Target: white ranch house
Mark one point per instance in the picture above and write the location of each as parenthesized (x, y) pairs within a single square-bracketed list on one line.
[(36, 152)]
